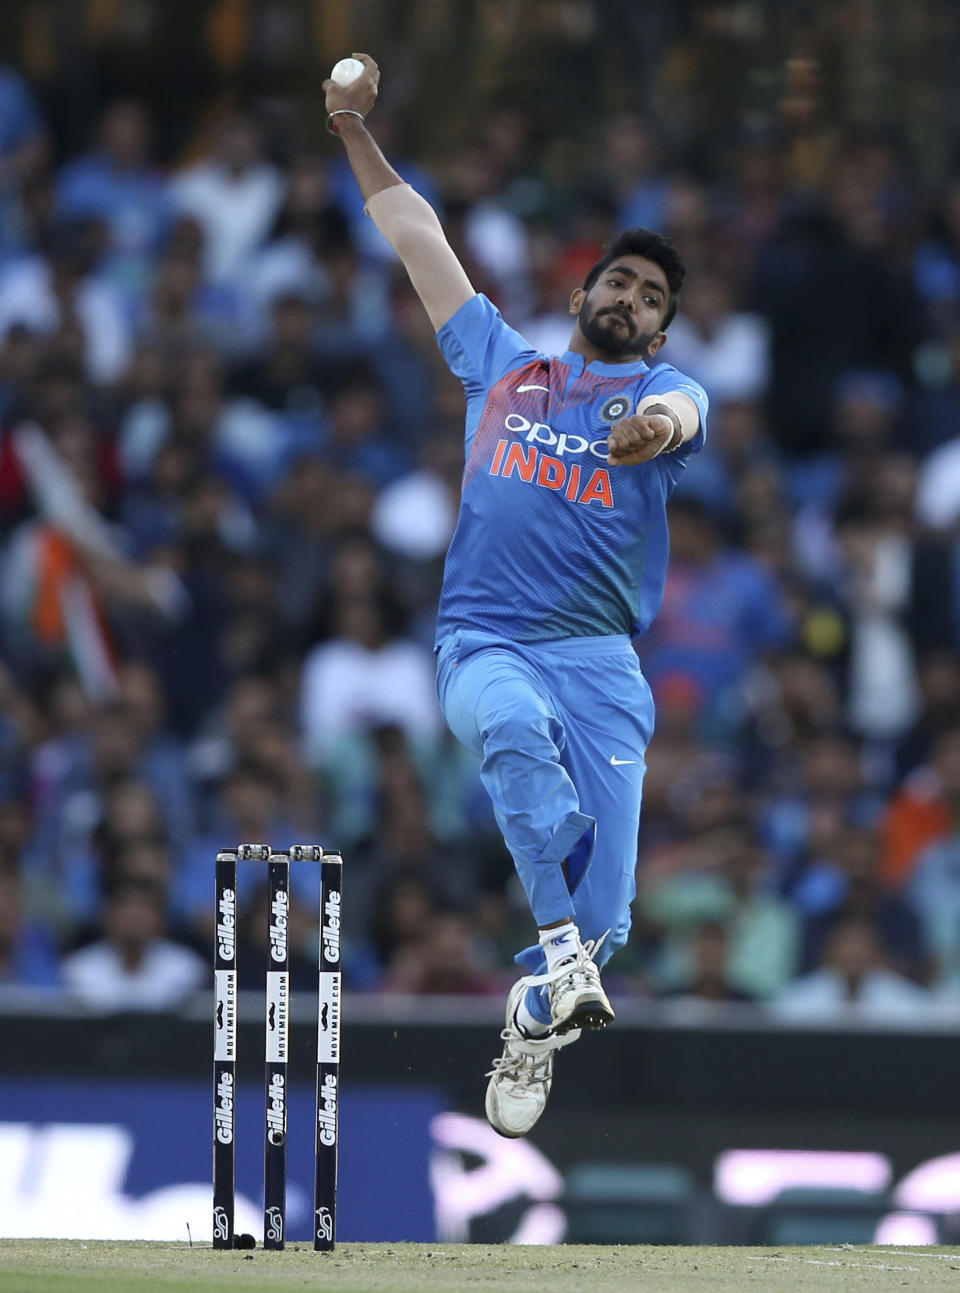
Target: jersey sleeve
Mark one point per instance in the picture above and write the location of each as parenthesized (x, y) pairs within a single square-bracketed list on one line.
[(663, 379), (479, 347)]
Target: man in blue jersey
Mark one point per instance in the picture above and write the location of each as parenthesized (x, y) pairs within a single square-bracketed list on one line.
[(558, 560)]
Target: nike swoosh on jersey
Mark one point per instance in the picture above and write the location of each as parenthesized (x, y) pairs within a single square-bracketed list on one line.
[(521, 389), (618, 763)]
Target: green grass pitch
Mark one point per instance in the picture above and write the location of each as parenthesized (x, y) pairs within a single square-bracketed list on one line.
[(70, 1266)]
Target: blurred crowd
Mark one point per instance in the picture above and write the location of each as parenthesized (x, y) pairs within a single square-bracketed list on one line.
[(229, 469)]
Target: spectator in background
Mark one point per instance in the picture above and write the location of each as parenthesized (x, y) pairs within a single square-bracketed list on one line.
[(117, 184), (721, 610), (415, 515), (235, 194), (247, 806), (239, 439), (875, 564), (739, 448), (834, 306), (863, 422), (860, 895), (934, 891), (936, 407), (307, 227), (114, 746), (366, 675), (821, 791), (723, 348), (629, 170), (360, 440), (938, 676), (135, 965), (720, 878), (28, 953), (56, 288), (126, 816), (163, 760), (24, 144), (923, 811), (22, 728), (763, 927), (709, 978), (681, 758), (406, 904), (936, 261), (759, 184), (183, 309), (444, 956), (938, 487), (853, 980), (147, 861), (286, 375)]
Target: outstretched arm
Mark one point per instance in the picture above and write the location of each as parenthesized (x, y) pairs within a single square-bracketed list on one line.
[(407, 221), (661, 424)]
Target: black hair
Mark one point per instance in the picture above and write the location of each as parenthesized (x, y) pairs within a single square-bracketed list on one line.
[(652, 246)]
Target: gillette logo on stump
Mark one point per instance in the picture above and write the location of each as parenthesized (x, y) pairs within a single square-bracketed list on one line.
[(227, 925), (331, 927), (277, 1109), (327, 1111), (278, 925), (223, 1114)]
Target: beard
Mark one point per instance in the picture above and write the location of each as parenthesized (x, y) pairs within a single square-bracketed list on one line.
[(614, 331)]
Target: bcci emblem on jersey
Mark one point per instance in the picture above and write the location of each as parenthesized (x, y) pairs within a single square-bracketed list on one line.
[(617, 407)]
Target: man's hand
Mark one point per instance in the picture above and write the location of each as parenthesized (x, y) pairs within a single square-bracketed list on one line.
[(360, 95), (638, 438)]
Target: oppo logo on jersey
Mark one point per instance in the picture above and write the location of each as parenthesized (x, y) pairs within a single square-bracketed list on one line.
[(578, 484), (559, 441)]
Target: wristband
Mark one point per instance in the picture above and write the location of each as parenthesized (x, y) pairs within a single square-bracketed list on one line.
[(340, 112), (675, 441), (665, 411)]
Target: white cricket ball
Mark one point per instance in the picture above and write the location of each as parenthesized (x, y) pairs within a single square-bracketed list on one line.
[(346, 71)]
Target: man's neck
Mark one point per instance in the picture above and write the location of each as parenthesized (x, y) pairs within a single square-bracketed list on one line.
[(579, 345)]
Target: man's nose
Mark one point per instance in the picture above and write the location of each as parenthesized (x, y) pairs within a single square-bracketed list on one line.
[(625, 300)]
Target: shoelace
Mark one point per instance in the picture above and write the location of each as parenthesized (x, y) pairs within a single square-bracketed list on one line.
[(584, 964), (512, 1065), (581, 972)]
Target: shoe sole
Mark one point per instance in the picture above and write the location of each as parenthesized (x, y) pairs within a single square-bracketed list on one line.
[(509, 1135), (594, 1012)]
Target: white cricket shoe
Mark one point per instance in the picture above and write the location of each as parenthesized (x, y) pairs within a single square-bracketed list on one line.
[(577, 998), (521, 1077)]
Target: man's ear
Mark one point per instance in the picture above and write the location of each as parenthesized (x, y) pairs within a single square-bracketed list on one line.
[(659, 340), (576, 299)]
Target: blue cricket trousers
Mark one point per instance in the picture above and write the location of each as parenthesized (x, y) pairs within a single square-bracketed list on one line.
[(561, 729)]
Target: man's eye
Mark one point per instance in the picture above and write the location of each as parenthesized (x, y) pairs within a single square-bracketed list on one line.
[(651, 301)]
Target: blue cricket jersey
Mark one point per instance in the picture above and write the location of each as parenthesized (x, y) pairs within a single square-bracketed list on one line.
[(551, 541)]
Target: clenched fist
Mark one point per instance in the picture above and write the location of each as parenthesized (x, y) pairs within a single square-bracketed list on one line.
[(638, 438), (360, 95)]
